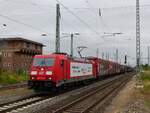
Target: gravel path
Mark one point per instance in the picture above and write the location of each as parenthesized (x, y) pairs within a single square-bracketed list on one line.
[(128, 100), (136, 107)]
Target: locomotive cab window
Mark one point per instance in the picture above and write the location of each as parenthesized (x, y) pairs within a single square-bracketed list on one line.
[(43, 62)]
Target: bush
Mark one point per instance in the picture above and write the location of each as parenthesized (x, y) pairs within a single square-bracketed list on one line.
[(11, 78)]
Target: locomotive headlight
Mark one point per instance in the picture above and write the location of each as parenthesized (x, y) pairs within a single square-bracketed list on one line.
[(33, 72), (49, 72), (49, 78)]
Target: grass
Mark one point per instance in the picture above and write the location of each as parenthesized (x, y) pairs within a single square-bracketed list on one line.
[(12, 78), (145, 77), (147, 102)]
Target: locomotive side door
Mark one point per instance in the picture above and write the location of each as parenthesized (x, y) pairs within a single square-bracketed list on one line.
[(65, 69)]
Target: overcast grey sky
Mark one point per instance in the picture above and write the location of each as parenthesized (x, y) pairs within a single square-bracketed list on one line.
[(31, 18)]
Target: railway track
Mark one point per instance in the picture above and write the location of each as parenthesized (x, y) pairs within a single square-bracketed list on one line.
[(13, 107), (80, 105), (85, 103)]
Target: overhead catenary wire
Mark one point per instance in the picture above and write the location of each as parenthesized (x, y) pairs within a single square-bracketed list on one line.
[(82, 8), (109, 8), (37, 29), (78, 8), (115, 7), (100, 14), (82, 21), (16, 21), (63, 22), (31, 3)]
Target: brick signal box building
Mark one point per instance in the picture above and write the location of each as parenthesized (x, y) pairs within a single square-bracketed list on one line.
[(16, 54)]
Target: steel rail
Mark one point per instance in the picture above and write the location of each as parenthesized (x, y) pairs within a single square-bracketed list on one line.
[(102, 99), (64, 108), (19, 104)]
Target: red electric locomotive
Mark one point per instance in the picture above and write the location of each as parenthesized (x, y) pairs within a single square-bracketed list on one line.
[(55, 70), (58, 69)]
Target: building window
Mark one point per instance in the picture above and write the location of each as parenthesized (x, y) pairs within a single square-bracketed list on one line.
[(6, 65), (1, 53), (39, 48), (24, 45), (28, 45), (5, 54), (14, 65), (9, 65)]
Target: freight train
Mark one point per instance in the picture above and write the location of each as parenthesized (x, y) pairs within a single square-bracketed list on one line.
[(57, 70)]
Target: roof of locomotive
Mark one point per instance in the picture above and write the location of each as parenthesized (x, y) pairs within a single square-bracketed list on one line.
[(51, 55), (62, 56)]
